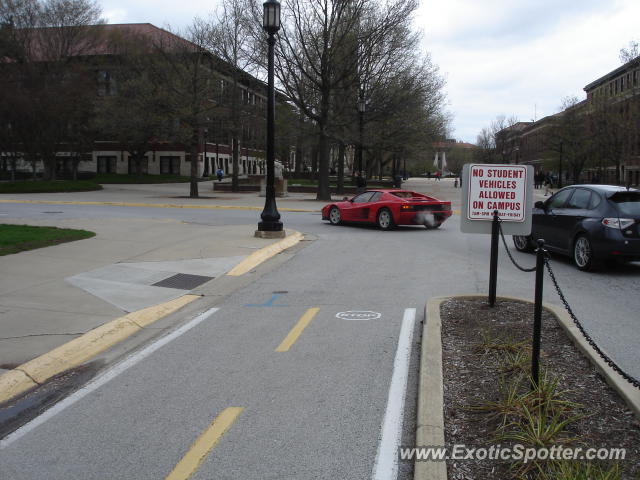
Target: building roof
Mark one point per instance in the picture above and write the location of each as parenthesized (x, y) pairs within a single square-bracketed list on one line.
[(613, 74)]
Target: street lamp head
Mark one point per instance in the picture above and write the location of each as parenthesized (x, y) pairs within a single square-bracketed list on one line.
[(271, 16)]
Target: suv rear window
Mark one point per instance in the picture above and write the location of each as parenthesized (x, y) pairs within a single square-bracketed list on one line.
[(628, 203)]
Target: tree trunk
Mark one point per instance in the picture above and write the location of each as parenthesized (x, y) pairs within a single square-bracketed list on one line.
[(324, 192), (51, 174), (193, 183), (340, 183), (235, 153), (314, 161)]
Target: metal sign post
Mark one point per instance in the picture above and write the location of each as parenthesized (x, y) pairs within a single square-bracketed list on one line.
[(493, 262), (496, 197), (537, 315)]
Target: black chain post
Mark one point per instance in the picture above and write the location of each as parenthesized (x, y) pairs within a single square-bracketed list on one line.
[(537, 314), (493, 266), (633, 381)]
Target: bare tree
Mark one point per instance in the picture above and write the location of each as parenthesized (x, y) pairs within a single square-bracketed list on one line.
[(321, 45), (44, 40), (567, 138), (230, 35), (486, 142), (183, 70), (631, 52)]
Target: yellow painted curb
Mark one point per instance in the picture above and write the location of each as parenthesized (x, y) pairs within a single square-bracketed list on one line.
[(13, 383), (81, 349), (256, 258), (155, 205)]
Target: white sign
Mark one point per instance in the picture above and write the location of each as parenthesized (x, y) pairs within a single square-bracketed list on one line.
[(505, 188), (358, 315), (497, 187)]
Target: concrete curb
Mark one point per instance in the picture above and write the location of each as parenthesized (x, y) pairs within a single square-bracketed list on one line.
[(260, 256), (430, 421), (155, 205), (628, 392), (71, 354), (80, 349)]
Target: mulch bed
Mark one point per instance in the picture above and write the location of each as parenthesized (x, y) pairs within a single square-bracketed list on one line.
[(471, 377)]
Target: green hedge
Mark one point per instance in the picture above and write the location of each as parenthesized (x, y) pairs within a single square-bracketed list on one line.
[(49, 186)]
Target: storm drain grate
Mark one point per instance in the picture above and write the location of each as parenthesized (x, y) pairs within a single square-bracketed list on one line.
[(183, 281)]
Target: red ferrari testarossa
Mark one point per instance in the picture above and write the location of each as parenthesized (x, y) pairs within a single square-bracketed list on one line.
[(388, 208)]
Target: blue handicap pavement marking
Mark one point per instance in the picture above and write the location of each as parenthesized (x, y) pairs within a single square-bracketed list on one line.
[(268, 303)]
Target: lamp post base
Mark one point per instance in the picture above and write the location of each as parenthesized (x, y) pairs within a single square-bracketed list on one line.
[(270, 233)]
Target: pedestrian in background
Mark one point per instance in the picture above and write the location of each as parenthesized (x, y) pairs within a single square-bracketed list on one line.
[(220, 174), (547, 185), (361, 182)]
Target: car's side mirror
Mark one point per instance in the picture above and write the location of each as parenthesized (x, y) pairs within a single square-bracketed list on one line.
[(540, 204)]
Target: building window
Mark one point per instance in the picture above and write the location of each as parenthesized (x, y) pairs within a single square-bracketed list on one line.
[(107, 164), (106, 84), (170, 165)]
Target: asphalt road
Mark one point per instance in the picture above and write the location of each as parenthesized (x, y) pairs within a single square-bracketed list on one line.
[(315, 410)]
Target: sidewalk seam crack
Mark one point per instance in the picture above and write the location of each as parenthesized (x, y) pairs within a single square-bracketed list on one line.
[(27, 374)]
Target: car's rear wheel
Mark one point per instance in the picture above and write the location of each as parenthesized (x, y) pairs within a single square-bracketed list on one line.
[(384, 219), (334, 216), (522, 243), (583, 255)]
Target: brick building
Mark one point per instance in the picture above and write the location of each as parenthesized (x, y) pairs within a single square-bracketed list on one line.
[(596, 138), (101, 61)]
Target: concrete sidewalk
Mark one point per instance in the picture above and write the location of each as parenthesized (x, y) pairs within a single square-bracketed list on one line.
[(52, 295)]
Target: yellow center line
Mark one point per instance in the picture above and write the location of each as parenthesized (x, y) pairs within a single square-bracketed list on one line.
[(297, 330), (208, 439)]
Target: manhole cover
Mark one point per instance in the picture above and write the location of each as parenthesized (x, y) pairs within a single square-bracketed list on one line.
[(358, 315), (183, 281)]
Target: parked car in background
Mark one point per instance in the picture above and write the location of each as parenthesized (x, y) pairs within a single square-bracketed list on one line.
[(591, 223), (388, 208)]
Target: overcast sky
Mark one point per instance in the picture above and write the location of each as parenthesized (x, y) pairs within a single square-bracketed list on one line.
[(499, 57)]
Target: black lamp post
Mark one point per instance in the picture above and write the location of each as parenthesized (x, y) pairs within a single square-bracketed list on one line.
[(362, 106), (270, 226)]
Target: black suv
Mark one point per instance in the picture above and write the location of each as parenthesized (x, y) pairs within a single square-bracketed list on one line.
[(591, 223)]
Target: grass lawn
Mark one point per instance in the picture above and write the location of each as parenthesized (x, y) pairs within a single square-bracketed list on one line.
[(49, 186), (17, 238), (137, 179)]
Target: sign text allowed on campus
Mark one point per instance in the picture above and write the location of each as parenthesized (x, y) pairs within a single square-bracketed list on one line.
[(497, 187)]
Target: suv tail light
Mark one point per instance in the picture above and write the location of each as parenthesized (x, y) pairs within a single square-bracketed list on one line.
[(619, 223)]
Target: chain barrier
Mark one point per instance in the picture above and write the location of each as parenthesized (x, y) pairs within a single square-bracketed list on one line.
[(504, 242), (589, 340), (633, 381)]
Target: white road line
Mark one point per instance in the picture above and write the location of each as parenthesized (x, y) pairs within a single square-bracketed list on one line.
[(386, 464), (104, 378)]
